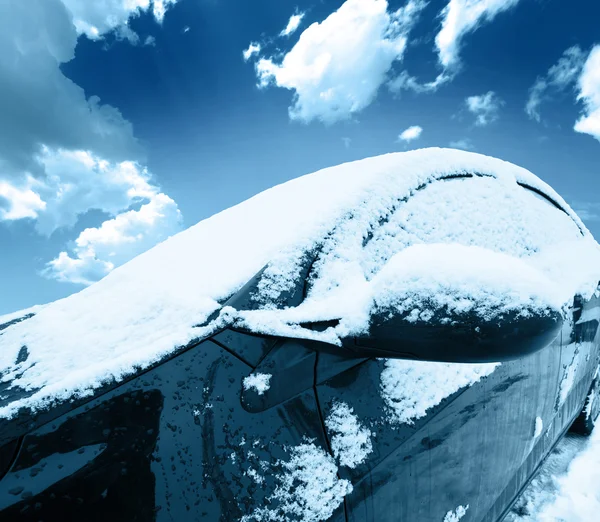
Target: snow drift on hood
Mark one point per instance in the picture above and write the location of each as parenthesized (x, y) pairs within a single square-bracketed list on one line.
[(386, 236)]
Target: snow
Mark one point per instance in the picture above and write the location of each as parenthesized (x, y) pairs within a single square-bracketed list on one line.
[(566, 488), (539, 427), (350, 442), (366, 218), (254, 475), (411, 388), (308, 489), (450, 275), (457, 514), (7, 318), (589, 402), (569, 378), (259, 382)]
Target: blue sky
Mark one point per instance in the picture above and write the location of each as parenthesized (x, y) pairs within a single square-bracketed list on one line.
[(122, 122)]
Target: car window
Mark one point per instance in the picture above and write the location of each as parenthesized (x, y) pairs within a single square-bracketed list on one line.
[(471, 210)]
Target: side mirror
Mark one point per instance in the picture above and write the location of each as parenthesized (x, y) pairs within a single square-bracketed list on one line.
[(292, 365), (462, 338), (467, 339)]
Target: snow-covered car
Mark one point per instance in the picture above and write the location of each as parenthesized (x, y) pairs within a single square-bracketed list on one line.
[(401, 338)]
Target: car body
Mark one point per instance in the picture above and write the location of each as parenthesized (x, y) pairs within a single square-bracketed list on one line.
[(240, 424)]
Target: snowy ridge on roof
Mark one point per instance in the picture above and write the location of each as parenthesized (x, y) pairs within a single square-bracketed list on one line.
[(145, 309)]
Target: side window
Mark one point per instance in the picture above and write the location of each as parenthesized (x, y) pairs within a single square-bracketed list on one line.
[(476, 210)]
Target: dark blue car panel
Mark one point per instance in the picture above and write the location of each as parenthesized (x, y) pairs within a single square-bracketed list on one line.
[(463, 452), (173, 444)]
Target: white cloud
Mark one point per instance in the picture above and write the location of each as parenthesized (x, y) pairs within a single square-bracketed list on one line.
[(292, 25), (461, 17), (560, 76), (405, 81), (347, 142), (150, 41), (94, 18), (159, 8), (62, 153), (574, 67), (464, 144), (337, 66), (589, 94), (19, 202), (98, 250), (253, 48), (39, 105), (79, 270), (410, 134), (485, 107), (77, 181)]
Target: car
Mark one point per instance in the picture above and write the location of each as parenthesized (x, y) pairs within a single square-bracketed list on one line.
[(401, 338)]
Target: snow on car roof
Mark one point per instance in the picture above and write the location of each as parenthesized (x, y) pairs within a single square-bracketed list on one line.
[(383, 241), (20, 315)]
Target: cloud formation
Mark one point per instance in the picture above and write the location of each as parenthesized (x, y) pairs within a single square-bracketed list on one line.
[(338, 65), (461, 17), (78, 181), (292, 25), (405, 81), (41, 106), (19, 202), (98, 250), (253, 49), (560, 76), (410, 134), (578, 69), (485, 107), (589, 93), (95, 19), (62, 153)]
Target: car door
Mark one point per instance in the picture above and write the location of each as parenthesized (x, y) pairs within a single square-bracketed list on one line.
[(175, 443), (435, 436)]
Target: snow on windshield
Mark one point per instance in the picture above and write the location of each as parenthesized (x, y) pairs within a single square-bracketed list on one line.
[(387, 234)]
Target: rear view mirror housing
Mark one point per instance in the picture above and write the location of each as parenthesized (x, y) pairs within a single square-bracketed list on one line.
[(464, 339)]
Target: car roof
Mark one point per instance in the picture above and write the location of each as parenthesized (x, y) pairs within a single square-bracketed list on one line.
[(151, 306)]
